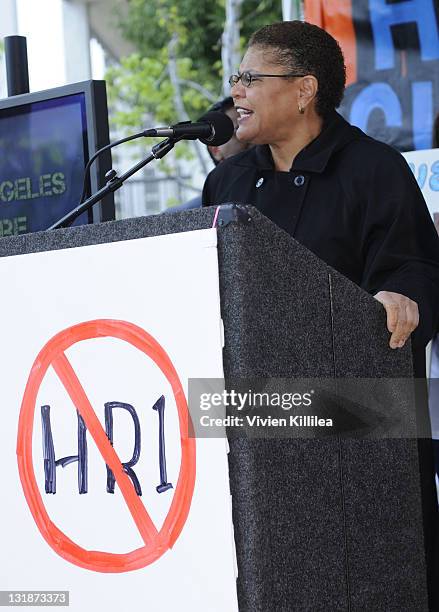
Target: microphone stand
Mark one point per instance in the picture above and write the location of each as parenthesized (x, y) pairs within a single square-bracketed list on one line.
[(115, 182)]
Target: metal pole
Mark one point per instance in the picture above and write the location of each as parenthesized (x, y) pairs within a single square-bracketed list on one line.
[(17, 70), (292, 9)]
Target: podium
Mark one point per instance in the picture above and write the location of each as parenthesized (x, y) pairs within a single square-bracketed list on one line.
[(321, 523)]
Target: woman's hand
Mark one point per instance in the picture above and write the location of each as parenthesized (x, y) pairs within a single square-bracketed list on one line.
[(402, 316)]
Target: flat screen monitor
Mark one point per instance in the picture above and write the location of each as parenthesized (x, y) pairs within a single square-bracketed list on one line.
[(46, 139)]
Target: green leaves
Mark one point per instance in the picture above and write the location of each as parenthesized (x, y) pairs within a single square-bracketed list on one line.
[(140, 90)]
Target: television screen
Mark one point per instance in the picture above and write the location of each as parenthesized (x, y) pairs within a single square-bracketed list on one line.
[(44, 147)]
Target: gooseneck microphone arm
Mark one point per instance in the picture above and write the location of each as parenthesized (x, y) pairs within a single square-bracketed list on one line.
[(99, 152), (114, 182), (213, 128)]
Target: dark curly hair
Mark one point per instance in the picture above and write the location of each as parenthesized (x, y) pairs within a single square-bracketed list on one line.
[(302, 47)]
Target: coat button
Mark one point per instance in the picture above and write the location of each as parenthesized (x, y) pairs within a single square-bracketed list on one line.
[(259, 182), (299, 180)]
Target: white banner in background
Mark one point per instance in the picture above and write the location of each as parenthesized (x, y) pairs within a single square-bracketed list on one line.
[(425, 166), (97, 345)]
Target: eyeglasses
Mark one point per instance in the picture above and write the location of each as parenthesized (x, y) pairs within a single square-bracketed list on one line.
[(247, 78)]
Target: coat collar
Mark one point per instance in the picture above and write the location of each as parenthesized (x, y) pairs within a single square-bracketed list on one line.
[(336, 134)]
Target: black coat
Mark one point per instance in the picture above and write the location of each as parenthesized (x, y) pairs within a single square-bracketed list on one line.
[(355, 203)]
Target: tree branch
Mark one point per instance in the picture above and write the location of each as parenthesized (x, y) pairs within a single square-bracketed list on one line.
[(205, 92), (230, 52), (178, 98)]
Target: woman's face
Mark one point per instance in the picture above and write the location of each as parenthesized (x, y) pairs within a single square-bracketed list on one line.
[(268, 109)]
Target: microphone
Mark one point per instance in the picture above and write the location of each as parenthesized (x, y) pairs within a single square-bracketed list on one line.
[(213, 128)]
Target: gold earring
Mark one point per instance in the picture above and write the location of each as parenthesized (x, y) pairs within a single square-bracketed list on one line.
[(301, 110)]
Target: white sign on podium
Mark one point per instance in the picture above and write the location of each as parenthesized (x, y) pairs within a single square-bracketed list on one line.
[(97, 346)]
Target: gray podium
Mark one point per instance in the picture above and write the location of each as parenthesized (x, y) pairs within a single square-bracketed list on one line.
[(321, 524)]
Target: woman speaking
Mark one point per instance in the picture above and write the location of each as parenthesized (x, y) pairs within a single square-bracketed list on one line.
[(350, 199)]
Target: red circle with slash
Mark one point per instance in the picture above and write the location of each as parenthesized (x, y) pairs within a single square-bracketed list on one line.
[(156, 542)]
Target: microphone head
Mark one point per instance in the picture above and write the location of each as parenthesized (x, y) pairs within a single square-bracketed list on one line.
[(223, 128)]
